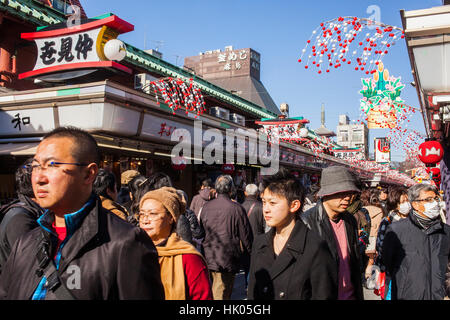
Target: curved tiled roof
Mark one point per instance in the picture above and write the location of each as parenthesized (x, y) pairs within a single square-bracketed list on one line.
[(32, 11)]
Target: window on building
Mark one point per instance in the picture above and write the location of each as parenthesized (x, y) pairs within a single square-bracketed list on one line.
[(357, 136), (344, 136), (62, 6)]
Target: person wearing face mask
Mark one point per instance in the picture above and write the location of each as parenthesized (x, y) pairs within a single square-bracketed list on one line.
[(399, 207), (416, 250)]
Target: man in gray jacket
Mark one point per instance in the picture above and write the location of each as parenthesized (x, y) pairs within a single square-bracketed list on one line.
[(416, 250), (228, 236)]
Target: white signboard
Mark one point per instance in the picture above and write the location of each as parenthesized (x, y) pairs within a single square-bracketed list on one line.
[(26, 121), (71, 48)]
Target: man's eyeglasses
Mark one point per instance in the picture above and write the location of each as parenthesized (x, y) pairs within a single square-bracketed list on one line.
[(429, 199), (51, 165)]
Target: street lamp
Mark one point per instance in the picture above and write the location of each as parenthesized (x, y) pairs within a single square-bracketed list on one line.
[(427, 34)]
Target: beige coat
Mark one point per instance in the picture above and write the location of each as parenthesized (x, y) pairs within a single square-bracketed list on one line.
[(114, 207), (376, 215)]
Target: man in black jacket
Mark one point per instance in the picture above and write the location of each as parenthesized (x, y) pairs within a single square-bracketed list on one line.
[(330, 219), (228, 236), (21, 215), (253, 208), (79, 250), (416, 250)]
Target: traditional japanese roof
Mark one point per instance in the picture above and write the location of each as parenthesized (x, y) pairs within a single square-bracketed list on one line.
[(34, 12), (41, 15), (323, 131)]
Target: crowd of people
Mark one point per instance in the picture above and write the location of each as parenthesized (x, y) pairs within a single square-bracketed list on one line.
[(74, 234)]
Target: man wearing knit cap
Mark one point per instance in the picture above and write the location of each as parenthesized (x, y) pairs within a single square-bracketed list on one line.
[(330, 219)]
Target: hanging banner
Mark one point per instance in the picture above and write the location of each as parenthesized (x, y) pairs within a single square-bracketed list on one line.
[(381, 99), (382, 149)]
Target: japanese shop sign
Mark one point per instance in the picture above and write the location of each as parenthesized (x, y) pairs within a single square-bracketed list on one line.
[(233, 59), (382, 149), (78, 47), (26, 121)]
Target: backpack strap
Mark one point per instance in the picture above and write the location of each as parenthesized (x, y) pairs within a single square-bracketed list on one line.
[(251, 209), (55, 284), (199, 214), (48, 269)]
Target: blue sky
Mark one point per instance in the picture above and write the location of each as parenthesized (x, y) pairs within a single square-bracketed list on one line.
[(278, 30)]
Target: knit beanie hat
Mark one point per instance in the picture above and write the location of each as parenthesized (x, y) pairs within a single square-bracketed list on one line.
[(169, 198)]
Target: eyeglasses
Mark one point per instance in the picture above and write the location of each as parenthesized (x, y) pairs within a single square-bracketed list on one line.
[(429, 199), (51, 166), (151, 216)]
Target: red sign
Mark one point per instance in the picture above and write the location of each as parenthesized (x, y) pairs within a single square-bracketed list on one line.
[(431, 152), (227, 168)]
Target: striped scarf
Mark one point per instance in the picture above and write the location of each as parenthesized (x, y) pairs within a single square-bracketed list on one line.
[(425, 223)]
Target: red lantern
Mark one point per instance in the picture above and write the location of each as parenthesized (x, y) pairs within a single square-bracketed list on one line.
[(431, 152), (227, 168), (179, 163)]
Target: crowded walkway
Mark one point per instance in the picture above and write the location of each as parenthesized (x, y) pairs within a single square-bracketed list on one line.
[(76, 233)]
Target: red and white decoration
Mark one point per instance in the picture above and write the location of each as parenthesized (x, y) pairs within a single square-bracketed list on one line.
[(349, 40), (177, 94)]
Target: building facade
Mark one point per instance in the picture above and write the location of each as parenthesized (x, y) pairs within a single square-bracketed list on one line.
[(118, 103), (352, 135)]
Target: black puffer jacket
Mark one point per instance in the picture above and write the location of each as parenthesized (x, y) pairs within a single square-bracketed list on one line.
[(17, 221), (115, 260), (417, 260), (197, 230), (317, 220), (188, 227)]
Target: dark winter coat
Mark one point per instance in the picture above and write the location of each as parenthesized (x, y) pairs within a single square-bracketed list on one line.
[(123, 197), (317, 220), (227, 229), (417, 260), (17, 221), (256, 215), (304, 270), (199, 200), (115, 260), (184, 229), (188, 227), (196, 229)]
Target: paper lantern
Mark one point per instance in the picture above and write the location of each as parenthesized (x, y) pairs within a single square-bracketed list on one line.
[(303, 132), (115, 50), (179, 163), (431, 152)]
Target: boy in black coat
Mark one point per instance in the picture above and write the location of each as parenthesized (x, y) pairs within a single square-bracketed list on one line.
[(290, 262)]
